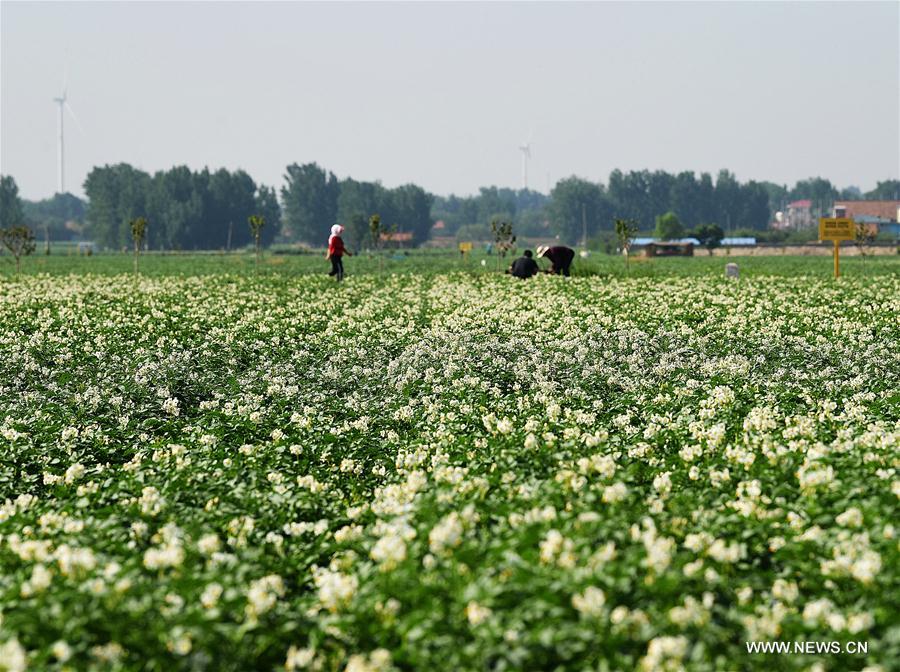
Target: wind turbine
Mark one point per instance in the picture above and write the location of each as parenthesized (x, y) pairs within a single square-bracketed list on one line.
[(60, 152), (526, 154)]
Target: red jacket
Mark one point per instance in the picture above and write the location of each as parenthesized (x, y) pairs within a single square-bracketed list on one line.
[(336, 247)]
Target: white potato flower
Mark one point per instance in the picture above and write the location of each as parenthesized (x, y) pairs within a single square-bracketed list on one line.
[(589, 602)]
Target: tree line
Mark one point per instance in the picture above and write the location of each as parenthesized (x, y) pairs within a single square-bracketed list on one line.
[(471, 216), (577, 206), (314, 199), (185, 210), (209, 210)]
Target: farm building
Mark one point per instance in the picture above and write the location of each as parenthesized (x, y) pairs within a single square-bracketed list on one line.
[(657, 245), (397, 238), (882, 215), (798, 215), (669, 249), (885, 210)]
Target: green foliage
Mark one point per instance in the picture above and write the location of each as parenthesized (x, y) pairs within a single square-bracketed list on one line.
[(310, 198), (138, 233), (116, 195), (669, 227), (411, 212), (820, 191), (455, 212), (474, 232), (233, 198), (256, 222), (606, 242), (709, 235), (408, 206), (375, 231), (189, 210), (11, 214), (626, 230), (576, 203), (357, 231), (865, 235), (527, 208), (889, 190), (504, 238), (642, 195), (290, 261), (19, 240), (266, 205), (61, 216), (533, 223)]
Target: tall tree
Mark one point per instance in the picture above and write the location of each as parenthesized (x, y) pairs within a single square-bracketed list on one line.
[(267, 206), (11, 213), (778, 197), (576, 204), (492, 200), (357, 230), (889, 190), (685, 198), (455, 212), (709, 235), (669, 227), (818, 190), (659, 191), (232, 199), (61, 215), (706, 197), (310, 199), (178, 206), (527, 199), (628, 195), (116, 195), (359, 200), (19, 240), (412, 207), (753, 212), (853, 193), (727, 200)]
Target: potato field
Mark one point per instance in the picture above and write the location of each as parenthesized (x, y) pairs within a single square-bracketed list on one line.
[(448, 471)]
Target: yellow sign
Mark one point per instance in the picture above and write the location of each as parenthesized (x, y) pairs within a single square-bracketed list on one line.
[(837, 229), (465, 247)]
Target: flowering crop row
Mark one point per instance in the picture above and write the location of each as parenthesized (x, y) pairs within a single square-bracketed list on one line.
[(447, 472)]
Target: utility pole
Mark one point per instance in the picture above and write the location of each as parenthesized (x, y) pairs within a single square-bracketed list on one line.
[(583, 226)]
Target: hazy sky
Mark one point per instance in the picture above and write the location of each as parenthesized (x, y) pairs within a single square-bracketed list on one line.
[(443, 94)]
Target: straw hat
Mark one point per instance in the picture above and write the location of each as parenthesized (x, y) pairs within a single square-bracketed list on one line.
[(541, 250)]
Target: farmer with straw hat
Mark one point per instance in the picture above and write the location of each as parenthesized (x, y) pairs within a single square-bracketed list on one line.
[(560, 258)]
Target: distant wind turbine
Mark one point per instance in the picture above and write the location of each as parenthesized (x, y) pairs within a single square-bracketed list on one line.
[(526, 154), (60, 152)]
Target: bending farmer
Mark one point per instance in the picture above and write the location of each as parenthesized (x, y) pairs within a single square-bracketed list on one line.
[(560, 258), (524, 267)]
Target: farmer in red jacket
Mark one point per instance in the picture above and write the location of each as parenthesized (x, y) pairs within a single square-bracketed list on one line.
[(336, 251)]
